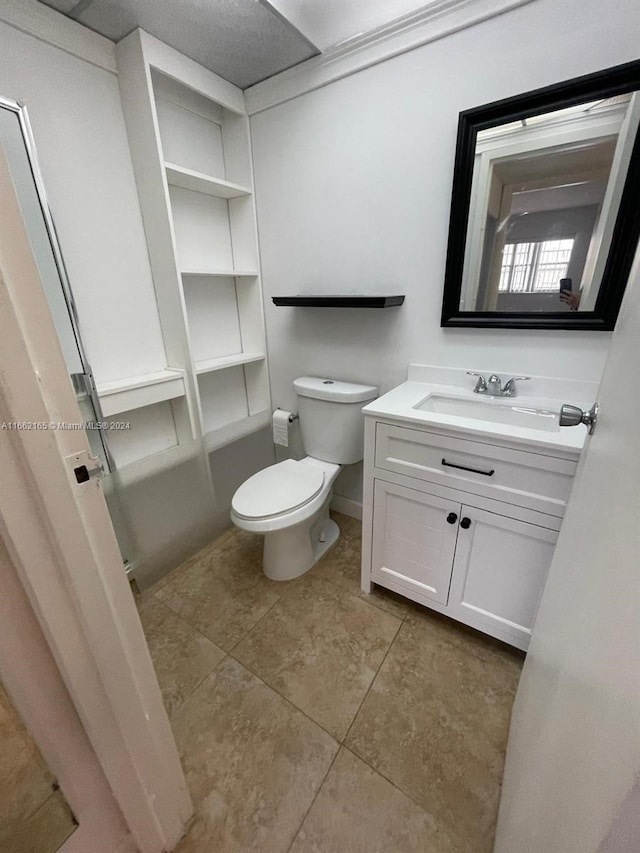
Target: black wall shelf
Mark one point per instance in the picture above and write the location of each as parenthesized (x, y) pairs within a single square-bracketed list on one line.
[(338, 301)]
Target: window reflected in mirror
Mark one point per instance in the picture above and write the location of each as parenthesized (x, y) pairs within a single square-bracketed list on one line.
[(34, 815)]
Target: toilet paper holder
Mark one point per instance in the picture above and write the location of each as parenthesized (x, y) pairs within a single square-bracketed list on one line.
[(293, 416)]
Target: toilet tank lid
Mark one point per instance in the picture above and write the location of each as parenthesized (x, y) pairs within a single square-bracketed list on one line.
[(334, 390)]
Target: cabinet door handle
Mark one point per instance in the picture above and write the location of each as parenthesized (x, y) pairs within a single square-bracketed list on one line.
[(465, 468), (465, 524), (452, 518)]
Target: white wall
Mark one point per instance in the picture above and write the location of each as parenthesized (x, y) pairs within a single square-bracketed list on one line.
[(82, 145), (353, 185), (573, 760)]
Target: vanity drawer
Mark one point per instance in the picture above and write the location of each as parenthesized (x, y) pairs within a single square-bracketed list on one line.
[(527, 479)]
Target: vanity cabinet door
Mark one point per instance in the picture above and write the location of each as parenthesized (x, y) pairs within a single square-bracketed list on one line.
[(499, 573), (414, 541)]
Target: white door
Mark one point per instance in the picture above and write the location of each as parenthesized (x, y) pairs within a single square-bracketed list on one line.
[(499, 573), (414, 541), (61, 542), (573, 760)]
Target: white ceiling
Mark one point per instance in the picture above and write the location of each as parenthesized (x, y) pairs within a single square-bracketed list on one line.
[(330, 22), (244, 41)]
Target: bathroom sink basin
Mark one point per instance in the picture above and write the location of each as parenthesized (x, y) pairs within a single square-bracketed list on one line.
[(494, 411)]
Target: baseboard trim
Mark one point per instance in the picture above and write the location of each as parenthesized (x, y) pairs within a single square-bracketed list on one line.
[(346, 506)]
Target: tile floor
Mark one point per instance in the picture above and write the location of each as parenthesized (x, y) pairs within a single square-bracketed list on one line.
[(312, 718)]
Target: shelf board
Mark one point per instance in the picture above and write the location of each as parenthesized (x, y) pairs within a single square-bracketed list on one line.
[(153, 464), (335, 301), (188, 179), (222, 362), (218, 273), (229, 433), (135, 392)]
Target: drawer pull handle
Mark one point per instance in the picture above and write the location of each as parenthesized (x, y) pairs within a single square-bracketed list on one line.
[(464, 468), (452, 518)]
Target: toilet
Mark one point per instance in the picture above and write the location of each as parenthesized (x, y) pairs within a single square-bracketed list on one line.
[(289, 502)]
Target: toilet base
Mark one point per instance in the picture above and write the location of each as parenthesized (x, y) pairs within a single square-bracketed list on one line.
[(292, 551)]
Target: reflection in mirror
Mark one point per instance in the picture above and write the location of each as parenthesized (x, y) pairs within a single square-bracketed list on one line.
[(34, 815), (545, 217), (544, 199)]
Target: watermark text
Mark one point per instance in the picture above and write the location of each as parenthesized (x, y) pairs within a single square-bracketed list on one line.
[(44, 426)]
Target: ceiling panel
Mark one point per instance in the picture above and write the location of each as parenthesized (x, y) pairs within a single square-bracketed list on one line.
[(330, 22), (62, 5), (244, 41)]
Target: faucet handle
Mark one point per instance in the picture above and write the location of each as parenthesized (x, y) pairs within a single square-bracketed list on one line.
[(494, 385), (509, 389), (481, 384)]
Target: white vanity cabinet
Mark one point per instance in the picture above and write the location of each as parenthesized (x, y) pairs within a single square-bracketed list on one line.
[(461, 524)]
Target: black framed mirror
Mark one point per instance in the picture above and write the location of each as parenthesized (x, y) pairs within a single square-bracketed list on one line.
[(545, 206)]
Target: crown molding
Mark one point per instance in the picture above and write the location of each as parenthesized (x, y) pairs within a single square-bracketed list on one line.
[(441, 18), (40, 21)]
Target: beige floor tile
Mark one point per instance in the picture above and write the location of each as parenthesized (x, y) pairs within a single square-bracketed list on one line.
[(224, 592), (357, 811), (45, 831), (253, 763), (203, 554), (142, 595), (182, 656), (350, 528), (341, 566), (435, 722), (467, 639), (320, 647)]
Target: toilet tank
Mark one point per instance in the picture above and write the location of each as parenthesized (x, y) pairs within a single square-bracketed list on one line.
[(331, 418)]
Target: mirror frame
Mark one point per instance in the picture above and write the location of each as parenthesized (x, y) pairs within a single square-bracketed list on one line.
[(619, 80)]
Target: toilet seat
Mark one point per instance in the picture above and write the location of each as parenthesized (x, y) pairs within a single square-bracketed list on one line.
[(278, 489)]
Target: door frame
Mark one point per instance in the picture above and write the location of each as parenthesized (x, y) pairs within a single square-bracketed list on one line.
[(89, 385), (61, 541)]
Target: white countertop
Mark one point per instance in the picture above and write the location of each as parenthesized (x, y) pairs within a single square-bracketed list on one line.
[(398, 405)]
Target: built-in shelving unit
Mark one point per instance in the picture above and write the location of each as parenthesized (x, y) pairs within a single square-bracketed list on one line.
[(221, 273), (152, 414), (189, 136), (188, 179), (328, 301), (225, 361), (124, 395)]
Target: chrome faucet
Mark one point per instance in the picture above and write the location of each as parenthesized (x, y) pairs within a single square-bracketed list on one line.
[(509, 389), (493, 386), (481, 385)]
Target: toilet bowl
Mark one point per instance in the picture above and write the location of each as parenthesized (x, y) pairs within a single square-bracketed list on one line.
[(289, 502)]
